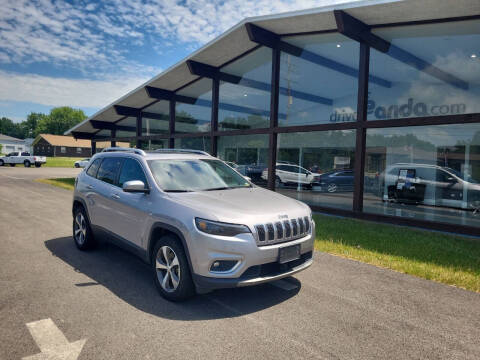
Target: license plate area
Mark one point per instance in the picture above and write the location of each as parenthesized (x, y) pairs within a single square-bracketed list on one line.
[(288, 253)]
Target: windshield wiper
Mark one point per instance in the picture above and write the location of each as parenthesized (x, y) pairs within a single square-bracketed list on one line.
[(178, 190), (218, 188)]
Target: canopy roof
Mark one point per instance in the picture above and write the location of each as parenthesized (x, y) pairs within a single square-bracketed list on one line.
[(235, 42)]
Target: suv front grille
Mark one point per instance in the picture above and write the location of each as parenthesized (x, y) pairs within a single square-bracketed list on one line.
[(272, 233)]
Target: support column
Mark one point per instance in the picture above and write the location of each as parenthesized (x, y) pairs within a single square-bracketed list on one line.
[(113, 134), (359, 168), (94, 147), (171, 125), (139, 131), (274, 98), (214, 123)]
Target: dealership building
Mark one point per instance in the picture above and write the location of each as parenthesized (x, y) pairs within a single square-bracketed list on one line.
[(368, 109)]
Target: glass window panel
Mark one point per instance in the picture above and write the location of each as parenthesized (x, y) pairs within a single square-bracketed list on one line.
[(424, 172), (158, 124), (246, 103), (193, 143), (320, 85), (195, 116), (130, 122), (317, 167), (155, 144), (434, 70), (248, 154)]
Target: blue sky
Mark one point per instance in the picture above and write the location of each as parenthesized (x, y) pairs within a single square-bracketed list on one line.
[(86, 54)]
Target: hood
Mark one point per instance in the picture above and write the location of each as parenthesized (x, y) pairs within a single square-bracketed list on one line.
[(256, 204)]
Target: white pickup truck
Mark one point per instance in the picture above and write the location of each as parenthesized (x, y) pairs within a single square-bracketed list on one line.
[(24, 158)]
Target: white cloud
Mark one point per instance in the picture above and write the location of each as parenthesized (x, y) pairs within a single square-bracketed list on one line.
[(61, 91)]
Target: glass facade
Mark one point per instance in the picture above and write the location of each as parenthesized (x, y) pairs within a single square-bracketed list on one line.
[(248, 154), (433, 70), (320, 85), (425, 169), (244, 103), (317, 167)]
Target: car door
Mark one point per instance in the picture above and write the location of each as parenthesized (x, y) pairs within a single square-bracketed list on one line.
[(131, 209), (105, 189), (89, 187)]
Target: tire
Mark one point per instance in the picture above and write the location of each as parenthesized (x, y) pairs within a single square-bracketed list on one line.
[(27, 163), (332, 188), (1, 163), (171, 273), (77, 166), (82, 232), (12, 165), (37, 165), (278, 182)]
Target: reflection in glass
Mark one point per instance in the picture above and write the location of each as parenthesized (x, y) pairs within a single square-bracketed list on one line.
[(317, 167), (427, 172), (248, 154), (130, 122), (320, 85), (155, 144), (434, 70), (194, 116), (245, 102), (158, 124), (193, 143)]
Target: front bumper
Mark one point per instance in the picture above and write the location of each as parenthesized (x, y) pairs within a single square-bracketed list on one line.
[(256, 275)]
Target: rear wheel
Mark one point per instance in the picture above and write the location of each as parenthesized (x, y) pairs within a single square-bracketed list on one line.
[(82, 233), (76, 165), (12, 165), (171, 271), (27, 163), (37, 165), (1, 162)]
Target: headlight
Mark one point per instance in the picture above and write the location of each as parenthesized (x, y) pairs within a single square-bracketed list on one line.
[(219, 228)]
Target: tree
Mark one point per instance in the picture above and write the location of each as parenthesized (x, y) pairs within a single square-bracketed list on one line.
[(8, 127), (59, 120), (30, 125)]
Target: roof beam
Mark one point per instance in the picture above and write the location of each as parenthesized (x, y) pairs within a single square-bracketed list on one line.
[(103, 125), (269, 39), (82, 135), (160, 94), (126, 110), (208, 71), (359, 31)]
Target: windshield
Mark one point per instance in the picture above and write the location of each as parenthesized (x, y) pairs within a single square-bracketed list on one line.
[(195, 175)]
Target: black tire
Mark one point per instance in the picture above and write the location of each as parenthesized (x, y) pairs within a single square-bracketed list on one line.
[(185, 288), (84, 239), (77, 166), (12, 165), (27, 163), (1, 162), (37, 165)]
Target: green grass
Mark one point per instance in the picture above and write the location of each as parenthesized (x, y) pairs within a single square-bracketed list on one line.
[(61, 161), (64, 183), (445, 258), (450, 259)]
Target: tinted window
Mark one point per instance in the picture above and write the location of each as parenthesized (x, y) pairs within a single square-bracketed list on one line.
[(25, 154), (131, 170), (92, 170), (109, 169)]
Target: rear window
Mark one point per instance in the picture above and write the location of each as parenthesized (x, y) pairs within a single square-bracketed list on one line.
[(109, 169), (93, 168)]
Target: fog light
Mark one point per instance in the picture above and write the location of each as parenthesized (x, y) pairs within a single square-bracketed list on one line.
[(223, 265)]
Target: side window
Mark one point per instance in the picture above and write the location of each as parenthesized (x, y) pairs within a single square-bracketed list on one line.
[(109, 169), (131, 170), (25, 154), (93, 168)]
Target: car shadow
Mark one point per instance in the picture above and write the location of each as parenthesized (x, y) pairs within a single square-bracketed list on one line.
[(129, 278)]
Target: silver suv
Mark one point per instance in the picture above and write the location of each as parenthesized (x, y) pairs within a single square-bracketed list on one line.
[(199, 223)]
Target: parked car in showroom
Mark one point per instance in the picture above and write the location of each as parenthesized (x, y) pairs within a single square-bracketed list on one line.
[(286, 173), (335, 181), (22, 158), (81, 163), (198, 223), (430, 185)]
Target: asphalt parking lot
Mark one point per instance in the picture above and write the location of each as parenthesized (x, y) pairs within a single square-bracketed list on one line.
[(105, 304)]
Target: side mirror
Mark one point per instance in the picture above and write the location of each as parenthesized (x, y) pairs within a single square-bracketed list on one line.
[(135, 186)]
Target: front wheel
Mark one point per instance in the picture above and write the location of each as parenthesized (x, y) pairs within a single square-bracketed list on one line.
[(37, 165), (27, 163), (77, 166), (2, 163), (12, 165), (171, 271), (82, 233)]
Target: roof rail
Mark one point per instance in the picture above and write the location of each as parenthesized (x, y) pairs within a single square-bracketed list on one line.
[(123, 149), (182, 151)]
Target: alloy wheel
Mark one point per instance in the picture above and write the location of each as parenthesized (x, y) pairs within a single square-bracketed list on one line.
[(168, 268), (80, 229), (332, 188)]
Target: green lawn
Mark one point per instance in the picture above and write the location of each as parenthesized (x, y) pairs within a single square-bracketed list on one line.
[(450, 259), (64, 183), (61, 161)]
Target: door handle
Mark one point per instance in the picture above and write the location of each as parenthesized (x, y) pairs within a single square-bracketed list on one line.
[(90, 187), (116, 196)]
